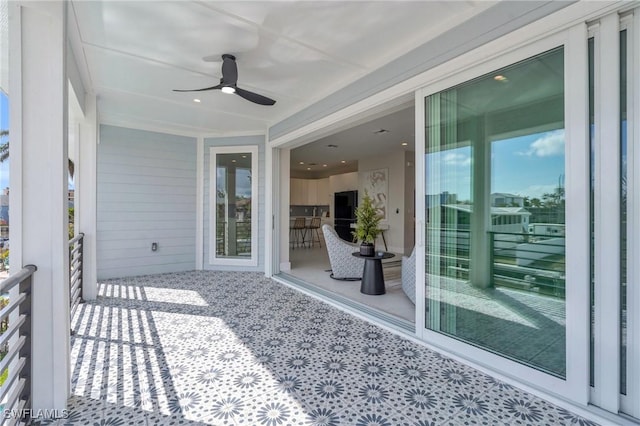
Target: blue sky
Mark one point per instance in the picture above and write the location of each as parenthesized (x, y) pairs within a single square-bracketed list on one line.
[(528, 166), (4, 124)]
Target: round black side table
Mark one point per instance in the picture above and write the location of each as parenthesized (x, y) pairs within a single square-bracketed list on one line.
[(372, 277)]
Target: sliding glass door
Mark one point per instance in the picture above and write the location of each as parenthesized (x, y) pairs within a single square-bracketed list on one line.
[(495, 212), (496, 223)]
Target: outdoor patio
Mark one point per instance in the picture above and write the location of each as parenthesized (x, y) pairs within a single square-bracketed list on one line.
[(230, 348)]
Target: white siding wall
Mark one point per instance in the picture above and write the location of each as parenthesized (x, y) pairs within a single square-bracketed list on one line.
[(146, 193), (237, 141)]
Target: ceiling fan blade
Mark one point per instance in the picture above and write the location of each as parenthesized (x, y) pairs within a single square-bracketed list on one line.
[(254, 97), (219, 86)]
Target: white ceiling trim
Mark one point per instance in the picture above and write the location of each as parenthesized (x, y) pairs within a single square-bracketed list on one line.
[(149, 126)]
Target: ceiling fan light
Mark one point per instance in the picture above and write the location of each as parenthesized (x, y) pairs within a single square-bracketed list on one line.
[(228, 90)]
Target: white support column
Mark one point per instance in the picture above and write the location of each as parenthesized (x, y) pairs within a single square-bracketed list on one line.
[(271, 191), (285, 156), (86, 198), (38, 107), (200, 203)]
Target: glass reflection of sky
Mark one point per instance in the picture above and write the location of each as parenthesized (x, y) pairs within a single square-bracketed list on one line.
[(526, 165)]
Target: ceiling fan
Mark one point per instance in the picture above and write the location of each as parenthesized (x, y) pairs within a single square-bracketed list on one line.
[(228, 83)]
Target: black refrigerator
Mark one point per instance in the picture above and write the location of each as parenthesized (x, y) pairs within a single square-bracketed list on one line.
[(344, 213)]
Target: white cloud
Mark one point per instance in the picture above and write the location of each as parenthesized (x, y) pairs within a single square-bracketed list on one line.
[(457, 159), (551, 144)]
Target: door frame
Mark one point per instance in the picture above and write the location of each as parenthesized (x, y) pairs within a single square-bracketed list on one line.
[(576, 385)]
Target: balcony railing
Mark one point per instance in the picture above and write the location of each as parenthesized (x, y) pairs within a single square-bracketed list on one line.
[(75, 272), (531, 262), (242, 237), (15, 346)]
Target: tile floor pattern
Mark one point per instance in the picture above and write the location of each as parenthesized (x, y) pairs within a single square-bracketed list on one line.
[(231, 348)]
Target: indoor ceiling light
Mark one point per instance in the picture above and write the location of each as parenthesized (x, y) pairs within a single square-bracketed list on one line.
[(196, 101), (244, 156), (500, 78), (324, 165), (302, 162), (343, 161), (308, 168), (404, 144), (233, 161), (228, 90)]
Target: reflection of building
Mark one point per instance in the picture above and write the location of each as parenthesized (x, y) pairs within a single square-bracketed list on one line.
[(503, 219), (4, 206), (499, 199)]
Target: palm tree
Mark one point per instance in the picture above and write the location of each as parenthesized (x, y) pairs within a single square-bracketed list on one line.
[(4, 148), (4, 152)]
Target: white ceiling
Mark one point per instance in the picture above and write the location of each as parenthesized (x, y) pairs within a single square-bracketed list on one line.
[(132, 53), (375, 138)]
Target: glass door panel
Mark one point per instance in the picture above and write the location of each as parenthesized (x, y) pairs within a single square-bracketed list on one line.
[(495, 212), (234, 195)]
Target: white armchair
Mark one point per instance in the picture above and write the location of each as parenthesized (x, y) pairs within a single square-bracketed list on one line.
[(344, 266), (408, 271)]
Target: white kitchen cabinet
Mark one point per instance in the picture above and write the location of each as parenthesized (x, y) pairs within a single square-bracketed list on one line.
[(309, 192), (297, 192), (323, 196)]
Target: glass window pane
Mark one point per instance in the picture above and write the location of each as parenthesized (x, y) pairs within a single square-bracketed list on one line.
[(233, 205), (495, 210), (623, 212)]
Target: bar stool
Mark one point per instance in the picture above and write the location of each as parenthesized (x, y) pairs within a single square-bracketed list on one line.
[(314, 225), (299, 232)]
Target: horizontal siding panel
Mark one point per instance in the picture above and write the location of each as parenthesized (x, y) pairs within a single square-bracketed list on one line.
[(169, 161), (115, 209), (178, 201), (150, 235), (143, 225), (144, 180), (177, 253), (186, 242), (134, 171), (146, 193), (152, 217), (151, 189)]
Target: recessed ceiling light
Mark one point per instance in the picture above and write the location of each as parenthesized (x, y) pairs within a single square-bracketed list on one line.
[(302, 162), (244, 156), (197, 101), (233, 161), (500, 78), (324, 165), (343, 161), (404, 144), (308, 168)]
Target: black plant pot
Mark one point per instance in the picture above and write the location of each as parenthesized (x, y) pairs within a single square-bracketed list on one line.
[(367, 249)]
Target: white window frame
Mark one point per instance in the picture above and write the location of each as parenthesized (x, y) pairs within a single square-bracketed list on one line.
[(630, 403), (576, 385), (214, 151)]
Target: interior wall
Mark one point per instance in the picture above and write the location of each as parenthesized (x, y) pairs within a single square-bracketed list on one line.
[(235, 141), (146, 192), (395, 163)]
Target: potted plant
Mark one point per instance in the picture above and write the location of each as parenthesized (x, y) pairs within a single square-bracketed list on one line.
[(366, 226)]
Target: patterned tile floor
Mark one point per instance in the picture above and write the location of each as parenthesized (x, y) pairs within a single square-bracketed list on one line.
[(230, 348)]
